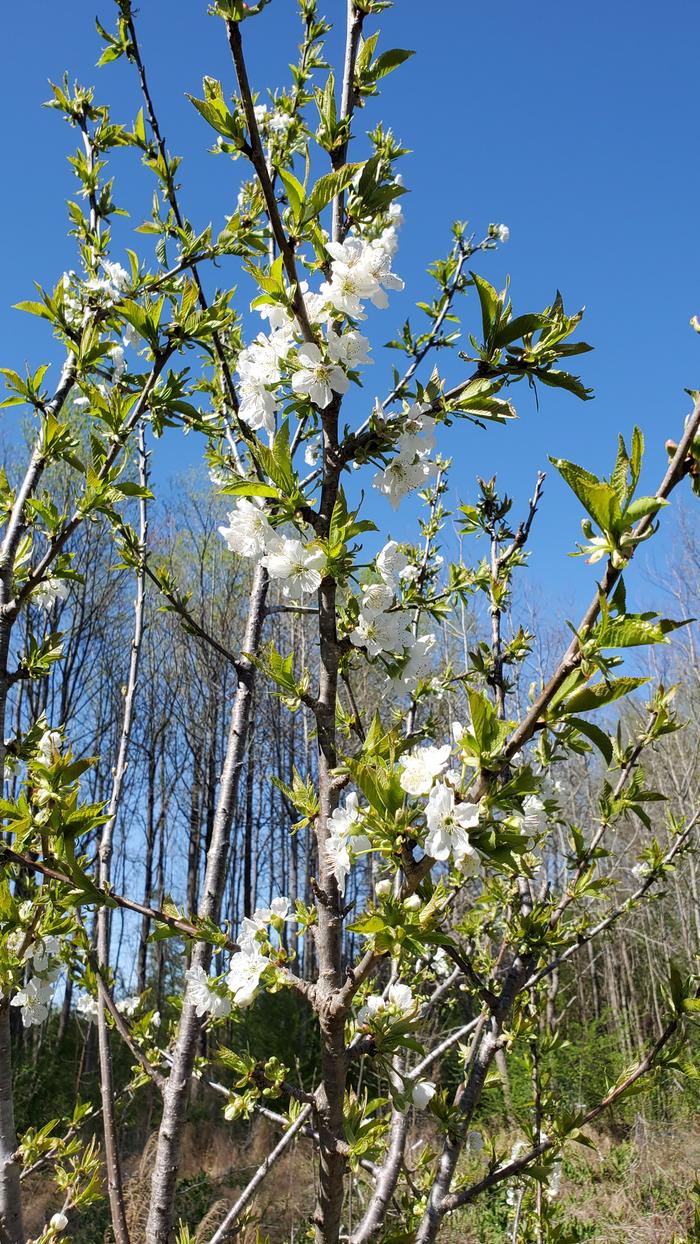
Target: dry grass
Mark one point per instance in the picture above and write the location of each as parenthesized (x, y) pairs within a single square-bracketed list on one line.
[(632, 1192)]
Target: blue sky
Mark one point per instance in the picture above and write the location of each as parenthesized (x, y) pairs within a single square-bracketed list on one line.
[(574, 124)]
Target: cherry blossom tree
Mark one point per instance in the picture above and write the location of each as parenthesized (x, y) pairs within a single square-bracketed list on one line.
[(437, 811)]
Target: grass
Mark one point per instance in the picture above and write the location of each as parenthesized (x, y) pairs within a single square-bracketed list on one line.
[(631, 1190)]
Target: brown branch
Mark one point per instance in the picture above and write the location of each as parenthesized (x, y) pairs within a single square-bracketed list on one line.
[(256, 155), (135, 56), (353, 33)]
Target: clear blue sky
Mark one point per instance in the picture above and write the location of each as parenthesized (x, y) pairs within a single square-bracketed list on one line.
[(574, 124)]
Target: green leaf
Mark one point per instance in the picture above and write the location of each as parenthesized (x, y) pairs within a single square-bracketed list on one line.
[(633, 630), (250, 488), (597, 497), (489, 303), (327, 188), (34, 308), (589, 698), (565, 380), (521, 326), (643, 506), (596, 736), (387, 61), (295, 191)]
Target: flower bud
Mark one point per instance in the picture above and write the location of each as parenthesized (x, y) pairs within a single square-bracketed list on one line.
[(413, 903), (58, 1222), (383, 888)]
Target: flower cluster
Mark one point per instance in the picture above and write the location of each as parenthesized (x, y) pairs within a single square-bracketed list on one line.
[(297, 565), (49, 591), (398, 999), (203, 997), (346, 839), (448, 819), (381, 628), (411, 467), (86, 1006), (105, 290), (36, 995), (316, 370), (260, 367), (272, 120), (359, 271), (245, 969), (249, 962)]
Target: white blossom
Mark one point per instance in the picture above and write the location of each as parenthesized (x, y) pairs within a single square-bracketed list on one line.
[(278, 910), (392, 564), (534, 816), (42, 953), (279, 121), (448, 822), (277, 316), (376, 597), (130, 336), (402, 477), (349, 348), (377, 263), (421, 766), (118, 276), (58, 1222), (245, 970), (422, 1093), (317, 378), (398, 997), (381, 632), (249, 531), (86, 1006), (442, 965), (34, 999), (202, 997), (411, 466), (361, 270), (295, 564), (345, 839), (129, 1006), (502, 232), (312, 451), (260, 369), (420, 662), (118, 362), (49, 747), (47, 593)]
